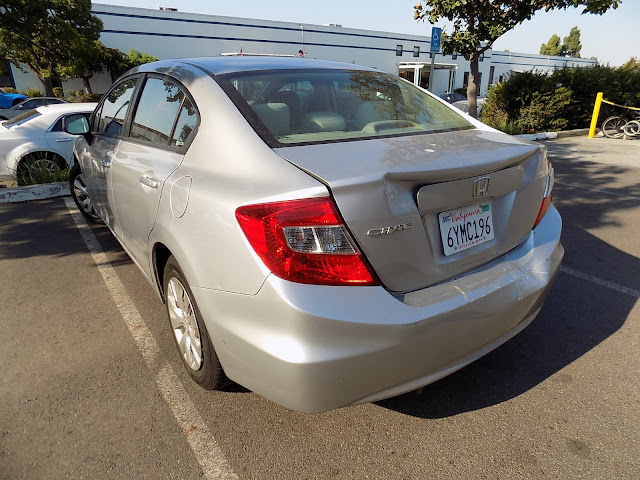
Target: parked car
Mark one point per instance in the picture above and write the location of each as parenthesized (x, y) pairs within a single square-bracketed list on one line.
[(322, 233), (37, 139), (28, 104), (453, 97), (464, 104), (8, 100)]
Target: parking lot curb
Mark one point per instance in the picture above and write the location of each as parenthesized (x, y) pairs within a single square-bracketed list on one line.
[(34, 192), (553, 135)]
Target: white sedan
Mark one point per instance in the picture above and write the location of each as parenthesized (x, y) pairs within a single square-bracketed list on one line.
[(37, 139)]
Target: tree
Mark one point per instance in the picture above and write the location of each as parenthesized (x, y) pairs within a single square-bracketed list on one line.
[(571, 45), (90, 59), (46, 35), (552, 47), (118, 63), (479, 23)]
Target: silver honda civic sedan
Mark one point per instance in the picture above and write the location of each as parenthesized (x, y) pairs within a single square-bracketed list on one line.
[(323, 234)]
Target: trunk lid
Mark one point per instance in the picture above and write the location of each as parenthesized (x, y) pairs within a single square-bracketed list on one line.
[(391, 191)]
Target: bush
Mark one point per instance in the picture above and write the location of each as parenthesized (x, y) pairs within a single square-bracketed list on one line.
[(33, 92), (562, 99), (76, 96), (58, 92), (9, 90)]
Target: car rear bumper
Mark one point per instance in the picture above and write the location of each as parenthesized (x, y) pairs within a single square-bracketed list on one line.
[(315, 348)]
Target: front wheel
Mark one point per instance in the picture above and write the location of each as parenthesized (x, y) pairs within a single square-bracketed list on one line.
[(189, 331), (80, 194)]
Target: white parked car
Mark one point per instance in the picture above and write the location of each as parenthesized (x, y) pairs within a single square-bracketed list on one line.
[(37, 139)]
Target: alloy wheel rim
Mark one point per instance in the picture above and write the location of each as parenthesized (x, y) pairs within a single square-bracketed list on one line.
[(183, 322), (82, 195)]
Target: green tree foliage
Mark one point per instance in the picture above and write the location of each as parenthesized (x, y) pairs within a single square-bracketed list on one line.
[(118, 63), (534, 102), (46, 35), (552, 47), (479, 23), (571, 45)]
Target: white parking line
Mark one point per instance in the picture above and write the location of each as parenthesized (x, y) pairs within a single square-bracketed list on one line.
[(601, 282), (204, 446), (607, 192)]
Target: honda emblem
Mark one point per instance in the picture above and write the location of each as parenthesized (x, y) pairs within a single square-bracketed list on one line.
[(481, 187)]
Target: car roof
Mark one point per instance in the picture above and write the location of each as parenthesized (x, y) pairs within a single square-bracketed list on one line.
[(58, 108), (240, 64)]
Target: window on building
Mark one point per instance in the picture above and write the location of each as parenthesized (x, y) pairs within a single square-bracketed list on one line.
[(501, 78), (157, 111), (416, 51), (6, 79), (491, 72), (398, 50), (454, 56), (465, 80)]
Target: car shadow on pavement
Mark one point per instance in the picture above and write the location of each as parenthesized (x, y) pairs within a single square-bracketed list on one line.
[(45, 228), (578, 314)]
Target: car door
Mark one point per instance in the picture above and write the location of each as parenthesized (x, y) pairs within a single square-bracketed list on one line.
[(161, 123), (60, 141), (108, 129)]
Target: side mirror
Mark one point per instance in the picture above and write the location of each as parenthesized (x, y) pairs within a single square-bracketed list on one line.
[(76, 124)]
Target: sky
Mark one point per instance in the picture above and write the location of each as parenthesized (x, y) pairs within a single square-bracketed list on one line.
[(397, 16)]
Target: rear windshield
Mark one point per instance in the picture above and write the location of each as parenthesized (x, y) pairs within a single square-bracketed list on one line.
[(312, 106), (22, 118)]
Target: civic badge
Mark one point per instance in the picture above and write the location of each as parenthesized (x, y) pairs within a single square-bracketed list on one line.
[(480, 187)]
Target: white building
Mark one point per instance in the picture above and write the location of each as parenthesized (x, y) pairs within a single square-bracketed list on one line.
[(172, 34)]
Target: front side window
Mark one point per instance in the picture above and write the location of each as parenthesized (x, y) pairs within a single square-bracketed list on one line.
[(157, 110), (115, 107), (336, 105)]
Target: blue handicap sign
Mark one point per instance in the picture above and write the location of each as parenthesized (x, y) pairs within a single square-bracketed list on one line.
[(436, 33)]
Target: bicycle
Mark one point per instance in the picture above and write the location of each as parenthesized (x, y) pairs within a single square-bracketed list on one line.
[(618, 126)]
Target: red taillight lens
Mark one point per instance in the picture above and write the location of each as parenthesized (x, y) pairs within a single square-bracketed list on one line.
[(546, 200), (304, 241)]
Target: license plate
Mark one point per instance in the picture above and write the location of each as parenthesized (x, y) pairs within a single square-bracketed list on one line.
[(466, 227)]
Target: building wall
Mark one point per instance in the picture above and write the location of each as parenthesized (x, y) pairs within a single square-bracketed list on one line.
[(166, 34)]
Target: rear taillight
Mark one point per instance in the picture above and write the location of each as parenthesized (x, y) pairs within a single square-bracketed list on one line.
[(304, 241), (548, 190)]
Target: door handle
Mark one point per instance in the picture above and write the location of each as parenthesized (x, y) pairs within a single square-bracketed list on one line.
[(149, 181), (63, 139)]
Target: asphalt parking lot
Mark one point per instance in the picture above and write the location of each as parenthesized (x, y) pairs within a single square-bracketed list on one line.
[(91, 385)]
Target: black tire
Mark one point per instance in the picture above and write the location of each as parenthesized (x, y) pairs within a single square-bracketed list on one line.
[(209, 374), (81, 196), (32, 162)]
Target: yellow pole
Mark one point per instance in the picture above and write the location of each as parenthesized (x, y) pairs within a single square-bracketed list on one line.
[(596, 112)]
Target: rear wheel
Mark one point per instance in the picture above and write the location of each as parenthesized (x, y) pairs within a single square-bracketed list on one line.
[(189, 331), (80, 194), (40, 167), (612, 127)]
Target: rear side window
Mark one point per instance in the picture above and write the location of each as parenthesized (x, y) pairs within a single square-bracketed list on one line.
[(186, 123), (115, 107), (157, 110)]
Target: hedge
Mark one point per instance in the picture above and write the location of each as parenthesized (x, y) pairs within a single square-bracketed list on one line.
[(533, 102)]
